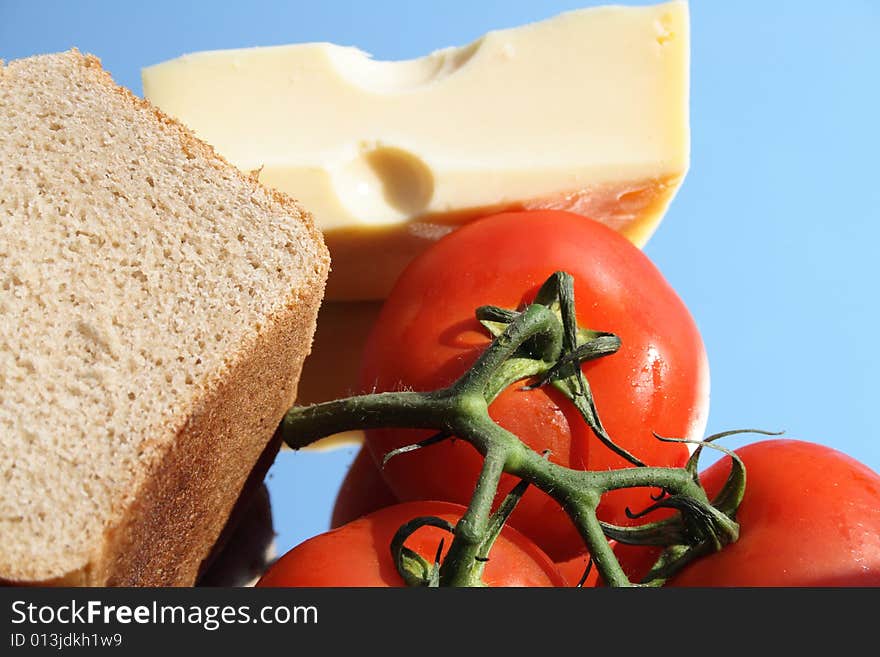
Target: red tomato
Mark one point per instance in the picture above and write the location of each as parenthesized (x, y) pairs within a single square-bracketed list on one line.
[(359, 554), (810, 517), (362, 491), (426, 336)]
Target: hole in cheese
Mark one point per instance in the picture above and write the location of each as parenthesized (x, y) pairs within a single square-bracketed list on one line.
[(388, 181), (377, 76)]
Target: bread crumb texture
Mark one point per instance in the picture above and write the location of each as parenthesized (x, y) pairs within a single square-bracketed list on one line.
[(135, 267)]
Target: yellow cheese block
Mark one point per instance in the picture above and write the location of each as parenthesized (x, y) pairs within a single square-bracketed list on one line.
[(587, 111)]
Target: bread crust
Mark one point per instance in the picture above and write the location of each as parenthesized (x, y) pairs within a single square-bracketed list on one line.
[(166, 527), (181, 509)]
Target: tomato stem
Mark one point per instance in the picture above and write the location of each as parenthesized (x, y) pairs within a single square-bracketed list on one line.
[(303, 425), (462, 566), (536, 324), (541, 341)]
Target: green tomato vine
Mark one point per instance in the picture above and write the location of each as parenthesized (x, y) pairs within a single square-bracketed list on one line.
[(541, 343)]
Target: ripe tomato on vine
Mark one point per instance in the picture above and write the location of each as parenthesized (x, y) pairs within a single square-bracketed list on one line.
[(427, 336)]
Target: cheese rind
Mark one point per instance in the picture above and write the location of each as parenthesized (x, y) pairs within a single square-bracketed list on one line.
[(591, 105)]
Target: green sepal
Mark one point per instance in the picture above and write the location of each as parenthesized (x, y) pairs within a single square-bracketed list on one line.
[(413, 568)]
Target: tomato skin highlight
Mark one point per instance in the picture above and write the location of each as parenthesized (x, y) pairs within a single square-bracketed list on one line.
[(810, 517), (363, 491), (358, 554), (427, 336)]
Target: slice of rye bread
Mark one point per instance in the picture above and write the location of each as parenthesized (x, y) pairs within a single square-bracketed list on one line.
[(156, 306)]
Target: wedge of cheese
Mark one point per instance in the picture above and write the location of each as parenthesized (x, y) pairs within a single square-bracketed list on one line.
[(587, 111)]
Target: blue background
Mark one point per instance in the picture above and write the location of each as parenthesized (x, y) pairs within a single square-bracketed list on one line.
[(772, 241)]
